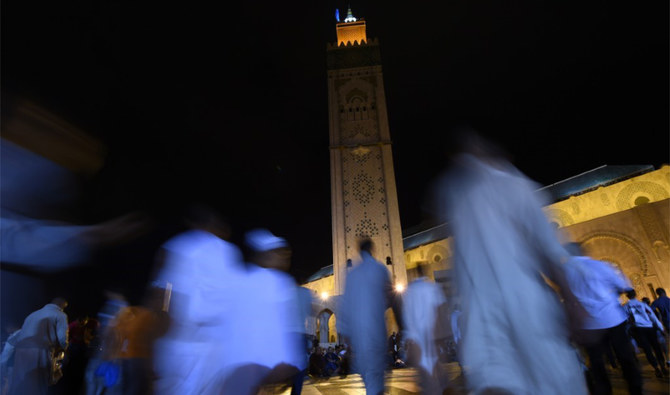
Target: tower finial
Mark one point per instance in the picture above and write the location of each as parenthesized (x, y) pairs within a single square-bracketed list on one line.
[(350, 17)]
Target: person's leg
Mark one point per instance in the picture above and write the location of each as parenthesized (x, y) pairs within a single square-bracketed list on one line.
[(652, 339), (297, 382), (623, 349), (641, 337), (594, 347)]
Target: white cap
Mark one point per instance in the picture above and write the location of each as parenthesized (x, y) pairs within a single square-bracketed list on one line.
[(263, 240)]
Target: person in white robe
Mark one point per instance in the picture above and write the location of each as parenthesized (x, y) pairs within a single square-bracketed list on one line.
[(515, 329), (367, 295), (264, 344), (421, 306), (201, 276)]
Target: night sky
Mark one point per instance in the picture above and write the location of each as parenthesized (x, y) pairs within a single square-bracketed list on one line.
[(226, 102)]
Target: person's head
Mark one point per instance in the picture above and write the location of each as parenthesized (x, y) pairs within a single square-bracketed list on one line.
[(646, 301), (465, 139), (574, 248), (268, 250), (366, 245), (631, 294), (420, 270), (660, 292), (60, 302), (204, 217)]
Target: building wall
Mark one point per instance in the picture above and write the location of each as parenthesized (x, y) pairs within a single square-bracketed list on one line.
[(626, 223)]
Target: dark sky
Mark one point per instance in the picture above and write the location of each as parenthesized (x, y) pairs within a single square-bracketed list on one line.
[(226, 102)]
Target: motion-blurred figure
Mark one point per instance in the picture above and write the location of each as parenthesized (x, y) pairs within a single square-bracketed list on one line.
[(45, 163), (597, 286), (113, 303), (367, 294), (266, 345), (129, 342), (199, 269), (423, 300), (7, 357), (514, 327), (43, 335), (32, 189), (662, 306), (306, 309), (645, 326)]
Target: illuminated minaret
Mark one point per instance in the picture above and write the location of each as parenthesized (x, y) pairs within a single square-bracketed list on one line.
[(363, 191)]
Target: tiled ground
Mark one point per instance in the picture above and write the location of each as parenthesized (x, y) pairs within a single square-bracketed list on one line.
[(403, 382)]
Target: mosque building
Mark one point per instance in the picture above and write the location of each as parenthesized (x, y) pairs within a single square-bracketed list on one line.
[(620, 214)]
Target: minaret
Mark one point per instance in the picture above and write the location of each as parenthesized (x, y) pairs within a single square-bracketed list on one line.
[(363, 191)]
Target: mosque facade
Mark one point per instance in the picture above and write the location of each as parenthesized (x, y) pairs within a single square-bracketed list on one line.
[(620, 214)]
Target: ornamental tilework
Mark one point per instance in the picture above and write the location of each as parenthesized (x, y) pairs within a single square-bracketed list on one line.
[(364, 215)]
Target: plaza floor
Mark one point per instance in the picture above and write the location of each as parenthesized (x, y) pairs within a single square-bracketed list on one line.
[(404, 381)]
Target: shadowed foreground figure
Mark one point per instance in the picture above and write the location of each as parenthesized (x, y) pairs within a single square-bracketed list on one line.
[(43, 333), (514, 327), (367, 295)]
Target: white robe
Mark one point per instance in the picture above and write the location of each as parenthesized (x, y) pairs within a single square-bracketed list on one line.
[(420, 311), (204, 273), (514, 328)]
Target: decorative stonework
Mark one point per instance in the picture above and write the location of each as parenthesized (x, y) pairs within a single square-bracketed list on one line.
[(560, 217), (619, 249), (604, 199), (363, 188), (367, 228), (653, 191)]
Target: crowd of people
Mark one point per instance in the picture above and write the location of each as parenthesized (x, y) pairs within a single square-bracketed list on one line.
[(532, 313)]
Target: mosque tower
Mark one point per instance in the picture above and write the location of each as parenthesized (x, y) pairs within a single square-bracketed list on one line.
[(363, 191)]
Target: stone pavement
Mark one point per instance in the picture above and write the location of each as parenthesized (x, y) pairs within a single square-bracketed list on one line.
[(403, 382)]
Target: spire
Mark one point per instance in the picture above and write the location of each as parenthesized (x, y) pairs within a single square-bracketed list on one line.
[(350, 17)]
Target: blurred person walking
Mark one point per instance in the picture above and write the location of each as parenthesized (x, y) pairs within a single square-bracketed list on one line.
[(43, 335), (198, 274), (515, 333), (644, 327), (306, 303), (422, 302), (266, 343), (597, 286), (114, 302), (129, 342), (368, 293), (662, 306)]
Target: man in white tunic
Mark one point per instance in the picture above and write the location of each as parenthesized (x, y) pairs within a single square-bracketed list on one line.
[(200, 276), (422, 302), (264, 341), (367, 295), (514, 328)]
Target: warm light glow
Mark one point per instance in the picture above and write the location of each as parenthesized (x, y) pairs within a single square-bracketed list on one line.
[(399, 287), (352, 32), (324, 295)]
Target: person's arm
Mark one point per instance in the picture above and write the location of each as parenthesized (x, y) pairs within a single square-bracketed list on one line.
[(653, 318), (62, 330)]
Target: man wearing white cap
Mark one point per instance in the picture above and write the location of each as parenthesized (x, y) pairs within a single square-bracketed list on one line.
[(265, 346)]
